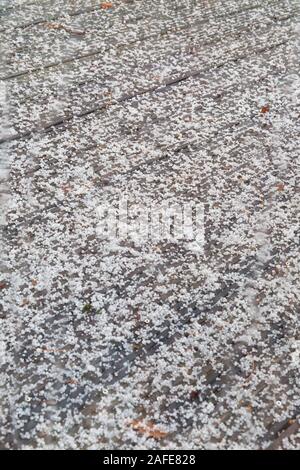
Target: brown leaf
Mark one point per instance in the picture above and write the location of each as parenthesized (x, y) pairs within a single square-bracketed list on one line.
[(3, 285), (147, 428), (34, 282), (279, 271), (280, 186), (66, 188), (265, 109), (194, 395), (72, 381), (54, 25), (106, 5), (68, 29)]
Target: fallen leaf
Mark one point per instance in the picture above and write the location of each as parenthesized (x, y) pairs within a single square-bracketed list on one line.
[(68, 29), (147, 428), (280, 186), (265, 109), (194, 395), (3, 285), (106, 5), (72, 381), (259, 298), (279, 271), (34, 282), (54, 25), (66, 188)]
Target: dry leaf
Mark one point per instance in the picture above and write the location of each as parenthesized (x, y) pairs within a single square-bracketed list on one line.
[(265, 109), (72, 381), (59, 26), (54, 25), (66, 188), (3, 285), (280, 186), (194, 395), (34, 282), (106, 5), (147, 428), (279, 271)]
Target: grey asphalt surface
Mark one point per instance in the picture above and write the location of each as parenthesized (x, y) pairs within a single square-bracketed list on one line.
[(161, 343)]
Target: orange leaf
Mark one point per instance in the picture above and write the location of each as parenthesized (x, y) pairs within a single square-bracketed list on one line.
[(265, 109), (68, 29), (54, 25), (148, 428), (106, 5)]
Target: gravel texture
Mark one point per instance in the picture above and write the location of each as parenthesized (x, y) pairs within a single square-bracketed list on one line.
[(161, 344)]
